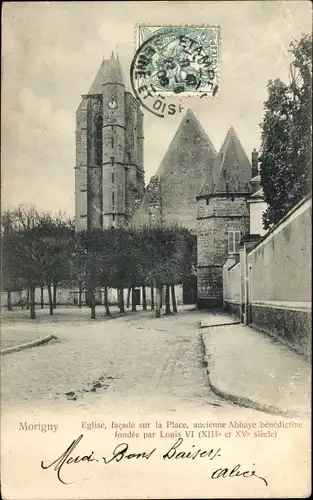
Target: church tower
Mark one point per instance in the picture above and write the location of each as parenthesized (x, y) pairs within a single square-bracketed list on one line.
[(223, 218), (109, 172)]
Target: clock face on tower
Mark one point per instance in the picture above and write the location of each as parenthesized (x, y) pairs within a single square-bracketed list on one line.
[(112, 104)]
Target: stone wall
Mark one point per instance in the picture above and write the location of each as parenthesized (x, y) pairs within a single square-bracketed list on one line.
[(209, 287), (277, 274), (216, 216), (109, 172), (149, 213), (186, 163), (231, 282), (94, 162), (66, 297), (81, 167)]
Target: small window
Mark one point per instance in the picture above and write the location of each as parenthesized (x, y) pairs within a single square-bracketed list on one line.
[(207, 201), (113, 198), (113, 178), (112, 138), (113, 217), (112, 160), (233, 241)]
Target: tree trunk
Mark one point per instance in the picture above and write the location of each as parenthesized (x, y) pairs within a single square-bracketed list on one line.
[(27, 299), (157, 313), (128, 297), (144, 299), (121, 299), (41, 297), (80, 297), (9, 305), (133, 299), (54, 295), (152, 297), (173, 299), (106, 302), (86, 298), (167, 300), (92, 304), (32, 303), (50, 299)]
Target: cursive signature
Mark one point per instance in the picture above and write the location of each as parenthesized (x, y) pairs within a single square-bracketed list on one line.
[(121, 452), (67, 458), (236, 472)]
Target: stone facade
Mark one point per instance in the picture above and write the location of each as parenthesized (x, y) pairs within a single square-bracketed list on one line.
[(193, 187), (222, 213), (170, 197), (109, 172)]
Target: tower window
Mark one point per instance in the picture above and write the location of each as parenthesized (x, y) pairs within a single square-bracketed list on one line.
[(112, 138), (113, 199), (113, 217), (113, 178), (112, 160), (233, 241)]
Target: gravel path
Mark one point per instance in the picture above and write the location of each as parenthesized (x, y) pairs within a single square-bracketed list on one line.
[(132, 362)]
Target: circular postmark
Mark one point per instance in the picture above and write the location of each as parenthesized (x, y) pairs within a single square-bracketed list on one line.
[(175, 61)]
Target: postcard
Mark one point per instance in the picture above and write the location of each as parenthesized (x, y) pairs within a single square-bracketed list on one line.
[(156, 250)]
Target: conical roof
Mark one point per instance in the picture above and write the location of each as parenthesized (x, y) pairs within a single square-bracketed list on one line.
[(231, 171), (189, 141), (110, 71)]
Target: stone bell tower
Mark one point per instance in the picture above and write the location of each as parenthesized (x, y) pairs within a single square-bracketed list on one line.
[(109, 172)]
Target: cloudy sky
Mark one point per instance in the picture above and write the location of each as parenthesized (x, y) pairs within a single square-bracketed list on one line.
[(52, 51)]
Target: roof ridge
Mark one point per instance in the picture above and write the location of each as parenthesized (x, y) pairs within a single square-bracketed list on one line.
[(231, 170), (201, 128), (96, 85), (189, 113), (110, 71)]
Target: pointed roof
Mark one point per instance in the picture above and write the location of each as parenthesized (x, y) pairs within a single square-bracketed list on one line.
[(231, 171), (110, 71), (190, 132)]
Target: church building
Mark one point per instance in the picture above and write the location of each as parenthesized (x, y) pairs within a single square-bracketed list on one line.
[(170, 197), (210, 194)]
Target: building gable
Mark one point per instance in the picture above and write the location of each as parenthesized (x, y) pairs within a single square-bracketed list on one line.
[(188, 160), (231, 172)]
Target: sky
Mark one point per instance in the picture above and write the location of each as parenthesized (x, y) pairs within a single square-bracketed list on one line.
[(52, 51)]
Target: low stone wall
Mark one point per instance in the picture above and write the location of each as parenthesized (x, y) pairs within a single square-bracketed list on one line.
[(233, 308), (272, 281), (290, 326), (66, 297)]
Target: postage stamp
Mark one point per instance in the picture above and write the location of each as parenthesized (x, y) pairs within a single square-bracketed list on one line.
[(175, 61)]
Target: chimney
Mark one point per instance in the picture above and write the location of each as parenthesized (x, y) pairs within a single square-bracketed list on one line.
[(255, 163)]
